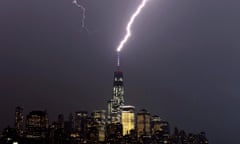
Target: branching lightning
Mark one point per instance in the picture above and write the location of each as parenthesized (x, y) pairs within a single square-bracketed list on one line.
[(83, 9), (128, 28), (129, 25)]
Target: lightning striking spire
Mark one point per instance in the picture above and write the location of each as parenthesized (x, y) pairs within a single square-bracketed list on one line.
[(129, 25), (83, 9), (118, 59)]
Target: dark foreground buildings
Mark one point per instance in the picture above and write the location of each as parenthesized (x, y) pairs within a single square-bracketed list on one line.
[(93, 129)]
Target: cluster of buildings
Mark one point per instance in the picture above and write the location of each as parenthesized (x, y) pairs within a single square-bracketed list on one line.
[(94, 128), (120, 124)]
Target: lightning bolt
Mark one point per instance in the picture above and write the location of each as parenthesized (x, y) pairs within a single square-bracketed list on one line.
[(83, 9), (129, 26)]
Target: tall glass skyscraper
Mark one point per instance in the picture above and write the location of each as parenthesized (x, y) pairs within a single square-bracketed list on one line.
[(19, 120), (114, 111)]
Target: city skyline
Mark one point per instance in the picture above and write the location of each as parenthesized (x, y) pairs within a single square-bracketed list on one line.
[(84, 127), (181, 64)]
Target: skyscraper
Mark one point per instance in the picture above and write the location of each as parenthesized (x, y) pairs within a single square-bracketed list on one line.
[(99, 117), (60, 122), (19, 120), (37, 124), (143, 123), (165, 127), (155, 124), (114, 111), (81, 122), (127, 119)]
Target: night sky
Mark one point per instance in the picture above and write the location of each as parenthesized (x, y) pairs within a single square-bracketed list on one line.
[(181, 63)]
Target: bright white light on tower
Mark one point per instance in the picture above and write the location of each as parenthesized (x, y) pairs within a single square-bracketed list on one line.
[(129, 25)]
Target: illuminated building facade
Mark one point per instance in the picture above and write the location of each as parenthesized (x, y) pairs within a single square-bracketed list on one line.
[(143, 123), (114, 111), (155, 124), (127, 119), (19, 120), (99, 117), (37, 124)]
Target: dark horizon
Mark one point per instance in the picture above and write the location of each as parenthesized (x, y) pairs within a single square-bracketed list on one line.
[(181, 62)]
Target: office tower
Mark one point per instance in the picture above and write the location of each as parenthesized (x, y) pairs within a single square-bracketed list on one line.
[(37, 124), (159, 126), (114, 133), (155, 124), (127, 119), (60, 121), (99, 117), (165, 127), (59, 124), (19, 120), (114, 111), (71, 120), (69, 124), (81, 122), (143, 123)]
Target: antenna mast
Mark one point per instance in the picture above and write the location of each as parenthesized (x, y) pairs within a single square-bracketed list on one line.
[(118, 60)]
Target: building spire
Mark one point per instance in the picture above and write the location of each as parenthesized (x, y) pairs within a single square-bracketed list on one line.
[(114, 104), (118, 60)]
